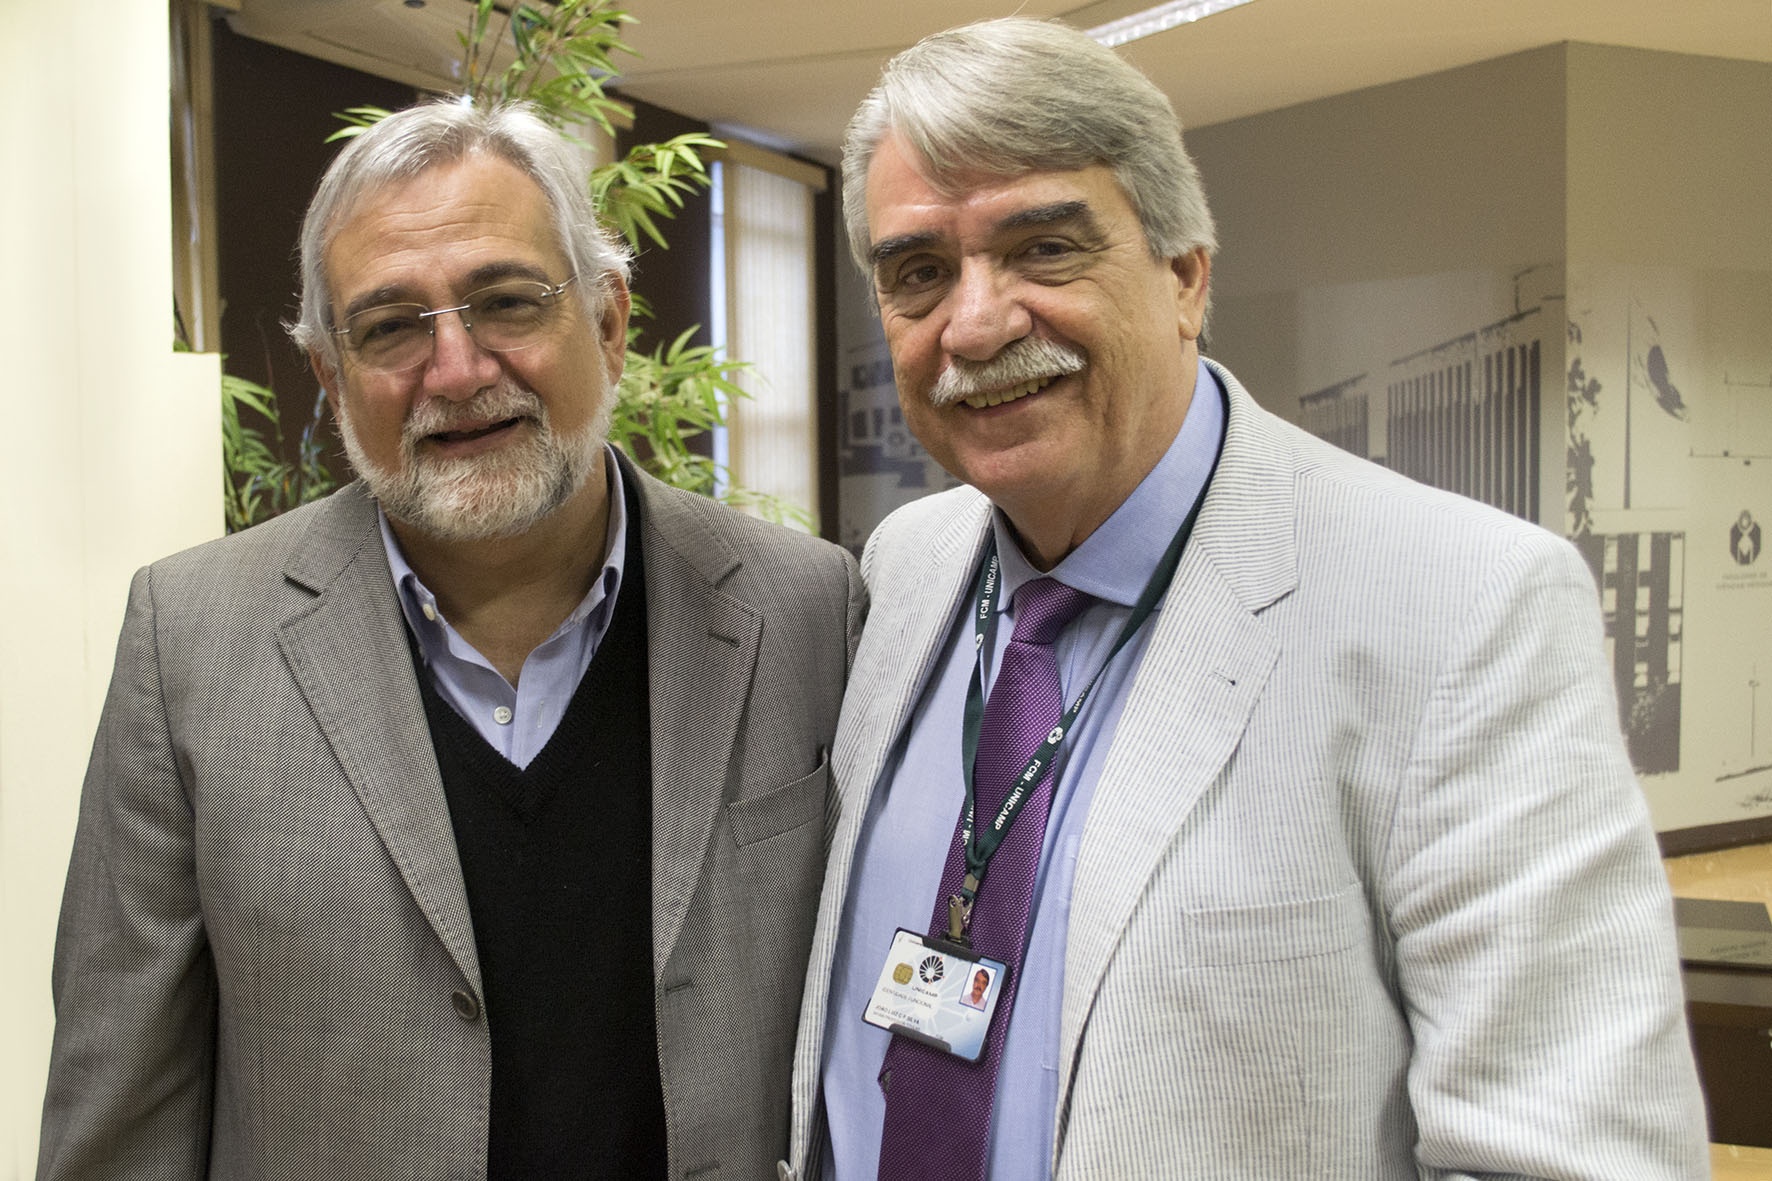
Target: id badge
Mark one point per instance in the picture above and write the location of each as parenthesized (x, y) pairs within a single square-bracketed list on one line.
[(938, 993)]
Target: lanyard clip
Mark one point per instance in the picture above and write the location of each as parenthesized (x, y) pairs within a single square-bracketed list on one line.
[(959, 918), (960, 911)]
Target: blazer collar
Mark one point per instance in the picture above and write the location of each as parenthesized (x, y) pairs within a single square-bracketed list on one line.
[(1202, 674), (904, 632), (348, 651), (702, 646), (898, 650), (1247, 525)]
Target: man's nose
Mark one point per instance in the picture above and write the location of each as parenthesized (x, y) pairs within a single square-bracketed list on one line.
[(459, 368), (986, 314)]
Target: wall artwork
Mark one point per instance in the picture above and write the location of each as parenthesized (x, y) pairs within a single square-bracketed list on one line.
[(1448, 386), (1665, 479), (1641, 577), (1463, 415), (880, 464), (1668, 485)]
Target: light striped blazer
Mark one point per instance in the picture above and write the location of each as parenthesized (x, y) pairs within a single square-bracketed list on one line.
[(1368, 889)]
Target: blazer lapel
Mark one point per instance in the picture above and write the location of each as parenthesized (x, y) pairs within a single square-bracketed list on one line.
[(701, 652), (349, 654), (898, 652), (1191, 700)]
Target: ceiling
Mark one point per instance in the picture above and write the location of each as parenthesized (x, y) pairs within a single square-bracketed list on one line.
[(788, 72)]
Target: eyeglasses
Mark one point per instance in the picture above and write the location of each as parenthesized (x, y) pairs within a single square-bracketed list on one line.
[(503, 318)]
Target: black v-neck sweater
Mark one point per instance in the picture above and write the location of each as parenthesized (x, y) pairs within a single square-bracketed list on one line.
[(557, 859)]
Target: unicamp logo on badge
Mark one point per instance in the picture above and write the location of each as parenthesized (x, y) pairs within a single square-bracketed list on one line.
[(1744, 539)]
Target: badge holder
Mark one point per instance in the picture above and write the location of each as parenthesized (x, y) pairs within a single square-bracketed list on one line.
[(937, 992)]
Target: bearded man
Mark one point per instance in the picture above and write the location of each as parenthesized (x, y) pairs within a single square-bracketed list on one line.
[(468, 823)]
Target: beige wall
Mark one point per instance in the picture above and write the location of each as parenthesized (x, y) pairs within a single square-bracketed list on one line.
[(1670, 159), (112, 453), (1355, 229)]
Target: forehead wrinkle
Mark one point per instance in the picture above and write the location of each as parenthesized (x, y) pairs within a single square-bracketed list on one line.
[(498, 272)]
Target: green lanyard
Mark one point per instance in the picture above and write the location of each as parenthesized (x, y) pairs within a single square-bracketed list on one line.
[(981, 846)]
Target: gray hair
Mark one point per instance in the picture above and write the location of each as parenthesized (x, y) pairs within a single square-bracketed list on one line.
[(1020, 95), (429, 135)]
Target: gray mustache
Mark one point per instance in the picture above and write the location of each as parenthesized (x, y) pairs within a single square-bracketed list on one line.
[(1028, 359), (505, 400)]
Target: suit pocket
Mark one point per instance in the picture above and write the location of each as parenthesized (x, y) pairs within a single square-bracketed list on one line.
[(783, 809), (1275, 931), (1265, 1030)]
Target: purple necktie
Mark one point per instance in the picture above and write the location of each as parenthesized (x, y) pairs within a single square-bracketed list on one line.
[(938, 1106)]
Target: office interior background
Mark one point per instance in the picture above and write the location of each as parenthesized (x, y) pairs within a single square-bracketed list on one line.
[(1521, 250)]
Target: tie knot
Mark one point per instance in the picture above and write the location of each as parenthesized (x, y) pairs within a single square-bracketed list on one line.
[(1043, 607)]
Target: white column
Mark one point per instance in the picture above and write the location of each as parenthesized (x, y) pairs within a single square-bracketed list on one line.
[(112, 450)]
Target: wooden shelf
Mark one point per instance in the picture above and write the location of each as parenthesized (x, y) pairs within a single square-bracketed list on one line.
[(1729, 1162), (1742, 874)]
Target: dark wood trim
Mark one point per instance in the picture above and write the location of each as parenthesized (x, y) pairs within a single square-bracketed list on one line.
[(827, 431), (1707, 838)]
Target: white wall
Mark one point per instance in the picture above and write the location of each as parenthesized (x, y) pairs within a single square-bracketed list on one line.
[(112, 450)]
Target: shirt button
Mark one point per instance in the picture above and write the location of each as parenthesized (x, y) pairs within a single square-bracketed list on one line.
[(502, 715), (430, 612)]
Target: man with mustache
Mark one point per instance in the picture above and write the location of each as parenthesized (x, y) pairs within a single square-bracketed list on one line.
[(1285, 797), (468, 823)]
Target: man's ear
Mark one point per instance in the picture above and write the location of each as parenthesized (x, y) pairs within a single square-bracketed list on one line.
[(327, 377), (1193, 275), (612, 328)]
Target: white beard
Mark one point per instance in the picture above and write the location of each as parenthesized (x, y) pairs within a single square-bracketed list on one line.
[(499, 494)]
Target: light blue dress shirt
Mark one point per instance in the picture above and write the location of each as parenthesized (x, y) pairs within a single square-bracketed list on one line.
[(911, 817), (516, 722)]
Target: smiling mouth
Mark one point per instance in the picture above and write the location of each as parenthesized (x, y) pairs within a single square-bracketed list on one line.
[(1013, 394), (473, 433)]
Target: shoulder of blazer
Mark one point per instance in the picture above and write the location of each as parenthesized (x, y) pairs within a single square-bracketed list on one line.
[(309, 545), (944, 523), (1284, 500)]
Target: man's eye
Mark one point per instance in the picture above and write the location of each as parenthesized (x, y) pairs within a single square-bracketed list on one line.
[(917, 276), (1049, 248), (912, 286), (384, 327), (507, 303)]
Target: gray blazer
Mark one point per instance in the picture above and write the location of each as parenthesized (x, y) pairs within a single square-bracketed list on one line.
[(1367, 890), (265, 966)]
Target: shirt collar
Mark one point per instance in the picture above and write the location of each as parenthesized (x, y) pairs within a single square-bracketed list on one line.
[(1116, 561), (425, 617)]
